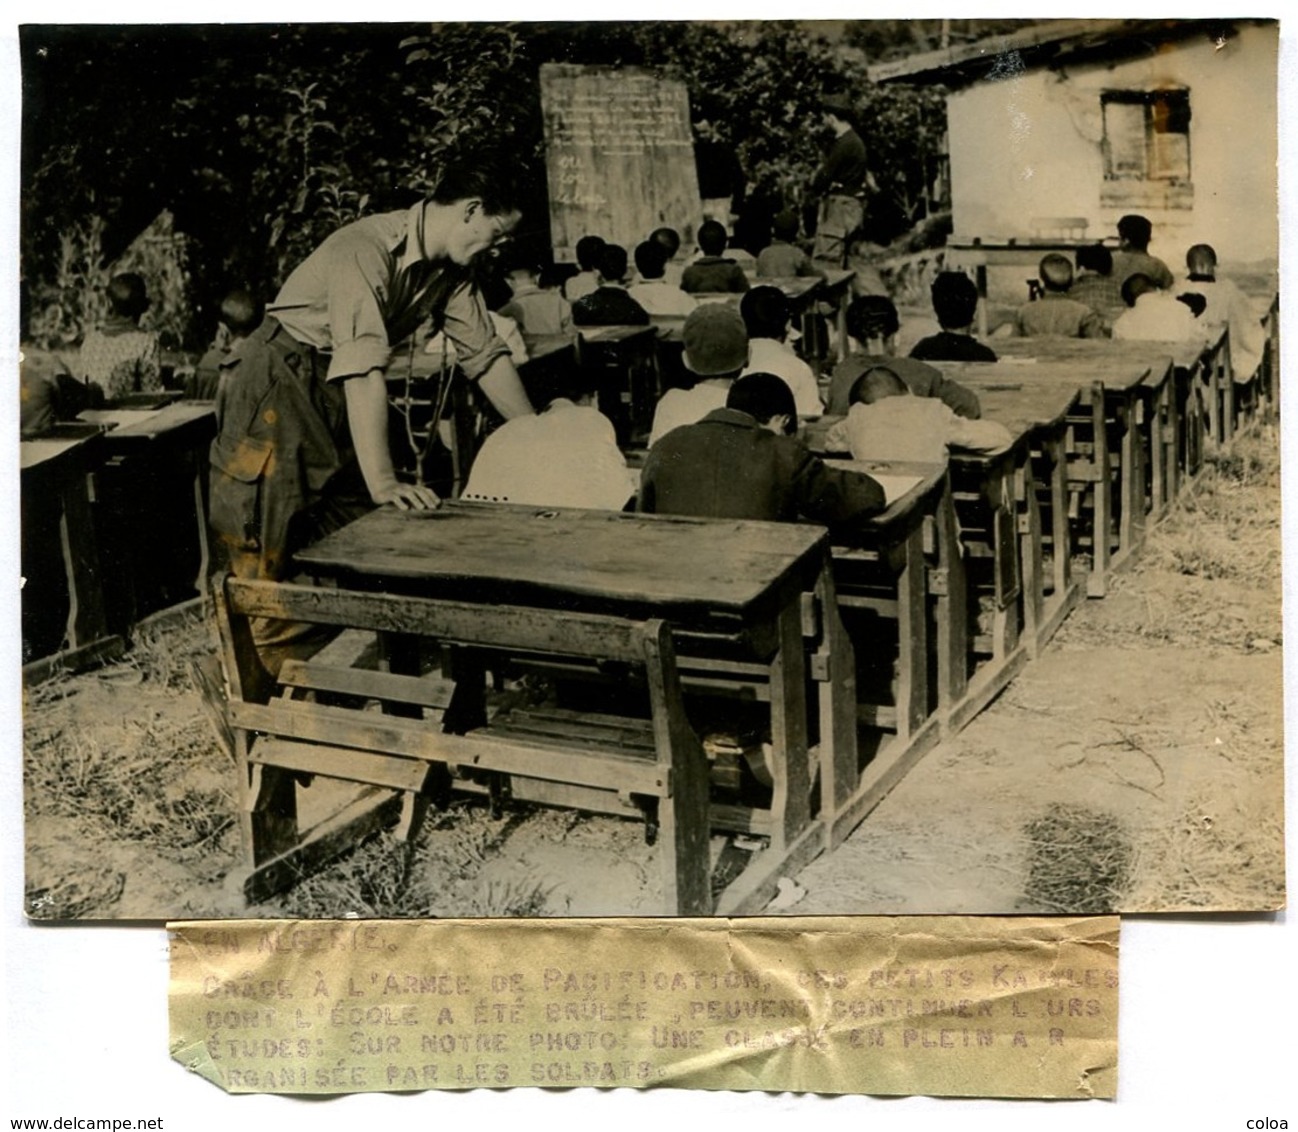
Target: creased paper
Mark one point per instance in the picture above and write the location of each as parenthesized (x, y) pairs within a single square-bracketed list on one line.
[(961, 1006)]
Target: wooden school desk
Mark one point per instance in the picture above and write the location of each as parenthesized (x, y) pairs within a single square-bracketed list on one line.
[(152, 506), (62, 597), (1108, 455), (741, 599), (1037, 416), (1164, 431), (897, 576)]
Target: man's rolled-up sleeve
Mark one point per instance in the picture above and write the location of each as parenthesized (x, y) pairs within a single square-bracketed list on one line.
[(468, 324), (357, 277)]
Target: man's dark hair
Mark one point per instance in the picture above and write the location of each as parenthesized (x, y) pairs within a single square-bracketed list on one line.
[(1095, 257), (712, 237), (765, 312), (1195, 301), (488, 177), (127, 295), (872, 316), (588, 249), (763, 396), (1202, 260), (1136, 231), (241, 312), (612, 263), (785, 226), (1136, 285), (650, 259), (668, 238), (1056, 272), (955, 298)]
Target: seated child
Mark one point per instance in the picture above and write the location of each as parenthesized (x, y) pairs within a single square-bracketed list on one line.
[(609, 304), (872, 326), (670, 242), (782, 257), (1155, 315), (564, 456), (587, 279), (1095, 285), (765, 312), (539, 312), (955, 301), (238, 316), (1055, 314), (713, 272), (715, 353), (1226, 306), (118, 356), (740, 462), (653, 292), (886, 422), (1133, 258)]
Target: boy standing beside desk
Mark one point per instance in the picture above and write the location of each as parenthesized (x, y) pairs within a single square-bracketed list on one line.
[(302, 441)]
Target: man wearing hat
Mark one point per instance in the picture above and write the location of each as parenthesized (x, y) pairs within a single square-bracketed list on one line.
[(716, 350), (841, 184), (741, 462)]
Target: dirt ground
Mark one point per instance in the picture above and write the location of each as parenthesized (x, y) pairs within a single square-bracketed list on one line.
[(1136, 765)]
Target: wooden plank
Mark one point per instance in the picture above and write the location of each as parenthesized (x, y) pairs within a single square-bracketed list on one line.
[(368, 814), (695, 567), (484, 749), (309, 674), (505, 626), (339, 762), (790, 805), (890, 765)]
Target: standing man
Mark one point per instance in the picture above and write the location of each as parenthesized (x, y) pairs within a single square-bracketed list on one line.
[(302, 435), (841, 183)]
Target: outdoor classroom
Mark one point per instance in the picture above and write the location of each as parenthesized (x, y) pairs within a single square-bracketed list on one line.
[(676, 469)]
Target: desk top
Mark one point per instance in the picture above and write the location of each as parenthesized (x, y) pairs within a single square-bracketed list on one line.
[(598, 561), (1153, 354), (612, 333), (1025, 406), (905, 484), (148, 424), (1120, 370), (47, 451)]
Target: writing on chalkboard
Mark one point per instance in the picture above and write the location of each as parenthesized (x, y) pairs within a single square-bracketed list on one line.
[(619, 155)]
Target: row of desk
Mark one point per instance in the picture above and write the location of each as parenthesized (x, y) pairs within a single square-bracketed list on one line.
[(114, 526), (858, 652)]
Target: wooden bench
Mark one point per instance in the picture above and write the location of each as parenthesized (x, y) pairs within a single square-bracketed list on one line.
[(375, 731)]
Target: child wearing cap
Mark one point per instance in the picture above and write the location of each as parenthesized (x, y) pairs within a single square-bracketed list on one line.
[(740, 462), (765, 312), (716, 351)]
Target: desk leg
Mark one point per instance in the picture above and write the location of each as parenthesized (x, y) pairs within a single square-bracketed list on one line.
[(200, 469), (951, 610), (841, 315), (87, 621), (1102, 482), (1031, 556), (912, 639), (790, 804), (1131, 476), (834, 667)]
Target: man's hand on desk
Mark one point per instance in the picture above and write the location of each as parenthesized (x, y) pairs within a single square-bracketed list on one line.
[(407, 497)]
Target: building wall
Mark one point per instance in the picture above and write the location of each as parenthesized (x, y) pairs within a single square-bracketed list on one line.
[(1028, 145)]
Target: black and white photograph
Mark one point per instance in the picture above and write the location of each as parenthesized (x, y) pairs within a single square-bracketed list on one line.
[(650, 468)]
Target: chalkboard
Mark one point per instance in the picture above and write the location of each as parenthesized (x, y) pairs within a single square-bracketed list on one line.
[(619, 156)]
